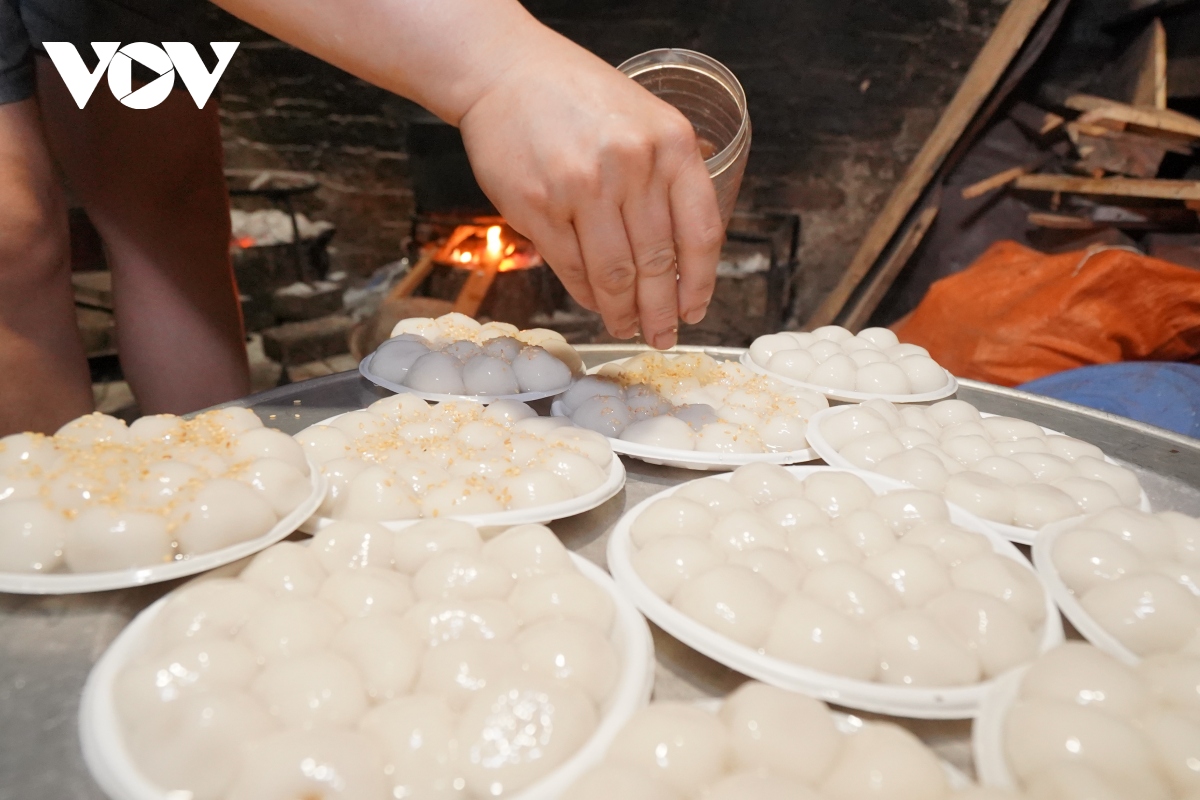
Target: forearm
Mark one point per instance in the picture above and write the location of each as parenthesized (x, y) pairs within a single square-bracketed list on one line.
[(604, 177), (442, 54)]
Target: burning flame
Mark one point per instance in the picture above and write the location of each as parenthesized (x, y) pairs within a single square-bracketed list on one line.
[(472, 246), (494, 244)]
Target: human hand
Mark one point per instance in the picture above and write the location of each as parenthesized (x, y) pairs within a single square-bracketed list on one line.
[(606, 180)]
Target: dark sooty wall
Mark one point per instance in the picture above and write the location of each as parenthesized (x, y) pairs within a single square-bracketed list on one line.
[(842, 94)]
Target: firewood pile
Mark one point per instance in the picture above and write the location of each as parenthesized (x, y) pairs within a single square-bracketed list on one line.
[(1102, 163), (1110, 157)]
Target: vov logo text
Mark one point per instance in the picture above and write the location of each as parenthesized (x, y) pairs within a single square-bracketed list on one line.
[(118, 61)]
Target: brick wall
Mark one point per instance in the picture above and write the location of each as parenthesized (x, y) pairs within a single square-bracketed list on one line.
[(842, 94)]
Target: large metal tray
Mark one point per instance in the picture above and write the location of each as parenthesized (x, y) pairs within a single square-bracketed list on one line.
[(48, 644)]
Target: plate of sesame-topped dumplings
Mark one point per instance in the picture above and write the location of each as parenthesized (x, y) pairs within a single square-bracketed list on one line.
[(104, 505), (402, 459), (455, 356), (689, 410)]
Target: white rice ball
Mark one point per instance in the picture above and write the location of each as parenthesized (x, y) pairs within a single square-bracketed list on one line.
[(489, 375)]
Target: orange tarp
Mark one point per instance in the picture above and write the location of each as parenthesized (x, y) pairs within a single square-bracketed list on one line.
[(1016, 314)]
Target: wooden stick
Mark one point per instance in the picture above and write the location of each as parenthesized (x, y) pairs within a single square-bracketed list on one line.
[(1034, 119), (416, 275), (1162, 119), (1139, 76), (1050, 123), (1158, 77), (995, 182), (1121, 187), (866, 304), (471, 296), (1013, 29), (1172, 145), (1101, 150), (1044, 219)]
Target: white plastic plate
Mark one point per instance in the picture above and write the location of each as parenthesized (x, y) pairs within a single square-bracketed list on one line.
[(695, 459), (833, 458), (856, 397), (849, 725), (1067, 600), (614, 480), (79, 582), (987, 732), (691, 459), (364, 369), (114, 770), (701, 460), (958, 702)]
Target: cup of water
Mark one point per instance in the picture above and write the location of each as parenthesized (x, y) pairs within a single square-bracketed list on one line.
[(711, 98)]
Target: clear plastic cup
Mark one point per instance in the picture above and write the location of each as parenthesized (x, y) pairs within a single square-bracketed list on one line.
[(711, 98)]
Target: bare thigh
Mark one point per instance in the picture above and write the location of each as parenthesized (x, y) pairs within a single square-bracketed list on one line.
[(44, 378), (152, 182)]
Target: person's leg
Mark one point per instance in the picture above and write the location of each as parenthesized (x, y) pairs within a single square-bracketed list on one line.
[(152, 183), (44, 379)]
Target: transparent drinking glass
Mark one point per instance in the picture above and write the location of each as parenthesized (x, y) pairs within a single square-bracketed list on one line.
[(711, 98)]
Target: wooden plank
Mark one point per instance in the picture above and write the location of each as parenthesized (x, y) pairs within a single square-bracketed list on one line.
[(415, 276), (882, 274), (1139, 76), (1101, 108), (869, 300), (1114, 187), (1123, 154), (1033, 119), (1028, 55), (471, 296), (994, 182), (1044, 219), (1156, 77), (1171, 145), (1050, 123), (1002, 46)]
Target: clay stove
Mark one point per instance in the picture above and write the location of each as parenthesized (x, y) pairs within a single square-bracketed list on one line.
[(479, 264)]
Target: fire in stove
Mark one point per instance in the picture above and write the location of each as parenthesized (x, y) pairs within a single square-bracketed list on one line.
[(491, 246), (465, 256)]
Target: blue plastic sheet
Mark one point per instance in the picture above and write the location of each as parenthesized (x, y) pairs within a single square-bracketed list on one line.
[(1163, 394)]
